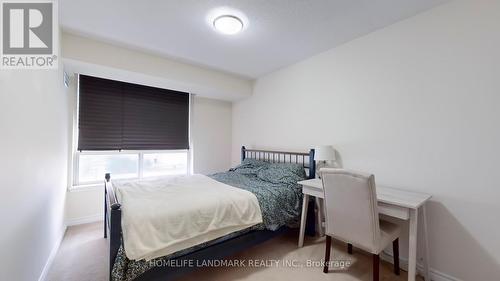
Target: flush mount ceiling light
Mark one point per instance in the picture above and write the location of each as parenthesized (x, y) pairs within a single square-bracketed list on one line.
[(228, 24)]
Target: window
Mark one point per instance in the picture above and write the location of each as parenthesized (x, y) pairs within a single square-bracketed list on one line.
[(159, 164), (128, 130), (91, 166)]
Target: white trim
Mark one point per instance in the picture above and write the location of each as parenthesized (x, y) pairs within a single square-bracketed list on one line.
[(52, 255), (140, 165), (190, 135), (436, 275), (83, 220), (86, 187), (74, 134)]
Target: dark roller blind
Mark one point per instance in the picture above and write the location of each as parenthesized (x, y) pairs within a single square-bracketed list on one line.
[(100, 114), (123, 116)]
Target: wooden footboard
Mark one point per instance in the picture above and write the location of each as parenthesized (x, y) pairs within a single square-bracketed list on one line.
[(112, 221)]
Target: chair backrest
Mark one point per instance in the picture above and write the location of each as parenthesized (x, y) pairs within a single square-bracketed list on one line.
[(351, 208)]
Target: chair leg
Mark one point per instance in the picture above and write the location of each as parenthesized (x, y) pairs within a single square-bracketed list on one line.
[(376, 264), (395, 250), (327, 253), (349, 248)]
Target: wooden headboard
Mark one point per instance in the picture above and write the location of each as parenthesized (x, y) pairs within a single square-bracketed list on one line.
[(304, 158)]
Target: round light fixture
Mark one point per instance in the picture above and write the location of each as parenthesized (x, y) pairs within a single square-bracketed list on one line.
[(228, 24)]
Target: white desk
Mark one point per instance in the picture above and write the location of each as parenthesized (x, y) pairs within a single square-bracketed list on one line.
[(392, 202)]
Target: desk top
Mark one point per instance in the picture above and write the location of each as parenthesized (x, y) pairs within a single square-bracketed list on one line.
[(385, 194)]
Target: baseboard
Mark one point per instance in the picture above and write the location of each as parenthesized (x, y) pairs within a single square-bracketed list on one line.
[(436, 275), (52, 255), (83, 220)]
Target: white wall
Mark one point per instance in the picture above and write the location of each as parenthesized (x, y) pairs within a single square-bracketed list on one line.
[(33, 149), (417, 104), (211, 137), (88, 56)]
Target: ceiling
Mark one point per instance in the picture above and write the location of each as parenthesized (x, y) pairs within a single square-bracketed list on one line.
[(277, 33)]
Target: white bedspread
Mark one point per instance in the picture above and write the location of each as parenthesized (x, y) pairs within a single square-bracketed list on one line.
[(165, 215)]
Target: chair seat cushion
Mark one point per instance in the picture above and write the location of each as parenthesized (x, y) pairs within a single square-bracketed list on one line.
[(388, 232)]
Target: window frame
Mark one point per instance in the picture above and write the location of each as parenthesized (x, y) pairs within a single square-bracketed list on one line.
[(140, 165), (74, 153)]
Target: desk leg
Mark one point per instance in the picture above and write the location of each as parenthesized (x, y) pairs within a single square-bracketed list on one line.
[(320, 216), (412, 253), (426, 245), (303, 219)]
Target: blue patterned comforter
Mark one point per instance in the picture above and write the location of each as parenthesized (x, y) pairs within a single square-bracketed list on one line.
[(274, 185)]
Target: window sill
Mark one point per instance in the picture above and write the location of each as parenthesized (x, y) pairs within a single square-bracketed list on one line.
[(86, 187)]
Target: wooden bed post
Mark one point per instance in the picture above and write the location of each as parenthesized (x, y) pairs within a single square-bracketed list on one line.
[(115, 233), (107, 177), (113, 220), (312, 165), (242, 153)]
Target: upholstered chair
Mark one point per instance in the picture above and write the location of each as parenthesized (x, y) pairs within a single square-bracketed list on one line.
[(352, 216)]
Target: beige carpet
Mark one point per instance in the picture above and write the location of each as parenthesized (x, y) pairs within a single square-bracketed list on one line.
[(83, 257)]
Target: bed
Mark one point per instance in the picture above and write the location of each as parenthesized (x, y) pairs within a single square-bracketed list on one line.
[(279, 198)]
